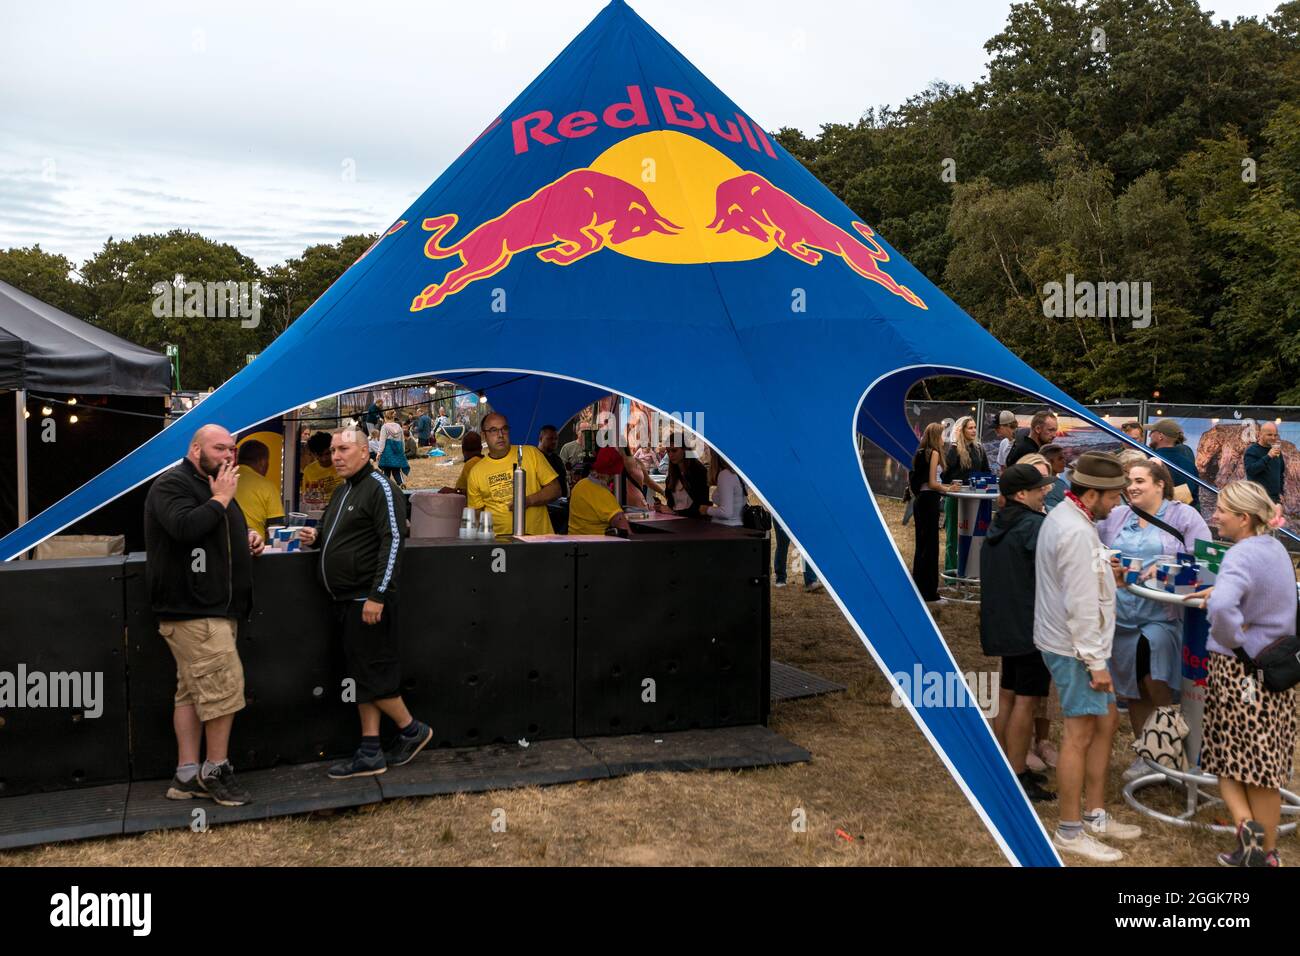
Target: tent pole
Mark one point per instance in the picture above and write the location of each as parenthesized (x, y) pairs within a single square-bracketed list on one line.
[(20, 440), (289, 463)]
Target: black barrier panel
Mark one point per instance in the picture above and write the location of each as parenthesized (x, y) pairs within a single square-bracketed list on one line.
[(293, 675), (487, 640), (293, 670), (151, 676), (61, 634), (689, 615)]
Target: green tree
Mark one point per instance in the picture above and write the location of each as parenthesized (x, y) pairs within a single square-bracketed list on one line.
[(121, 280), (294, 285), (46, 276)]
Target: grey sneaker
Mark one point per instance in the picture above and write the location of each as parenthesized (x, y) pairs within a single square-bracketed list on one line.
[(405, 748), (359, 765), (186, 789), (221, 787)]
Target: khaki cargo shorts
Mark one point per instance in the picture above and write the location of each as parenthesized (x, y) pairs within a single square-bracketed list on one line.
[(209, 674)]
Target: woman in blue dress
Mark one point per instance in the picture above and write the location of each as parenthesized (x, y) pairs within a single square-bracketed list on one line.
[(1147, 655)]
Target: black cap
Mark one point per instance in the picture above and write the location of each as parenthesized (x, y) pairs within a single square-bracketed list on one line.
[(1021, 478)]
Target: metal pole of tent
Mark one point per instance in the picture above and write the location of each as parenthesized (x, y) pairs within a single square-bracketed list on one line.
[(979, 424), (289, 464), (20, 458)]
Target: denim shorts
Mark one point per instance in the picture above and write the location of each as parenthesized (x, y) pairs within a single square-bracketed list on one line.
[(1073, 684)]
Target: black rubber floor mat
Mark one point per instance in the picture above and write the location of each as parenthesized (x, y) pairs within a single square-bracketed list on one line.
[(494, 767), (790, 683), (723, 748), (141, 807), (276, 792), (64, 815)]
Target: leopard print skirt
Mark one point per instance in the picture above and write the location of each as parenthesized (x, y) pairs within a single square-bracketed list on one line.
[(1248, 732)]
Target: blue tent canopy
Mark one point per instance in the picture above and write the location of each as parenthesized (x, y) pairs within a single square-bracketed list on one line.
[(624, 227)]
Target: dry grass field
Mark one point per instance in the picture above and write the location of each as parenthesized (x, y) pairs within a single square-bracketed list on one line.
[(873, 778)]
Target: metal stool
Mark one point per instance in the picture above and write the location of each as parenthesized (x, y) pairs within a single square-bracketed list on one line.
[(1192, 782)]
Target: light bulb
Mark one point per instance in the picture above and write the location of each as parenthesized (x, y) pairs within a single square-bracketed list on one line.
[(72, 401), (72, 419), (46, 410)]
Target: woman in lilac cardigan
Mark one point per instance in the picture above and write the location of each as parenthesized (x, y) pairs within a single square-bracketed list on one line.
[(1249, 731), (1147, 654)]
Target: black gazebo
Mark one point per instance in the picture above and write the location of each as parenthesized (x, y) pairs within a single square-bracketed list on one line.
[(83, 398)]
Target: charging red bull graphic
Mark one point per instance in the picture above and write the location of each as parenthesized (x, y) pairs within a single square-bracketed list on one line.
[(581, 211), (751, 205), (661, 196)]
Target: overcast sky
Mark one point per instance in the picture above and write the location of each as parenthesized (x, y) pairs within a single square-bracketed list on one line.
[(273, 124)]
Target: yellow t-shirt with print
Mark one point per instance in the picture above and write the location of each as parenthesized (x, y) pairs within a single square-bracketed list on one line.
[(318, 483), (462, 483), (591, 505), (491, 486), (258, 499)]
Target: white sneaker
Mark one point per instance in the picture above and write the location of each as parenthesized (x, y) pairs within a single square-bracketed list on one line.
[(779, 584), (1106, 825), (1138, 768), (1086, 846)]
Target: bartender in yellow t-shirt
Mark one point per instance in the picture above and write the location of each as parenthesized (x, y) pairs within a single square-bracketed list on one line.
[(258, 498), (491, 482), (319, 479), (592, 506)]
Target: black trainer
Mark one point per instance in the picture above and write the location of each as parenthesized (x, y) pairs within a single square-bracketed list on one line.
[(186, 789), (405, 748), (359, 765), (221, 787), (1033, 791), (1034, 775)]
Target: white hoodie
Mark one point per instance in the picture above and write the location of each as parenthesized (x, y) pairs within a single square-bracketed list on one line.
[(1074, 599)]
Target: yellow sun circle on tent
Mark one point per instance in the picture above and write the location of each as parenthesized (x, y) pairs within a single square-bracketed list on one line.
[(679, 175)]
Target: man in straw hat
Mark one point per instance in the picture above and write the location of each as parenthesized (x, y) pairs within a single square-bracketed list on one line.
[(1074, 625)]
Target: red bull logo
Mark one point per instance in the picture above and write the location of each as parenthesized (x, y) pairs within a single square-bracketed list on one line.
[(572, 217), (661, 196), (752, 206)]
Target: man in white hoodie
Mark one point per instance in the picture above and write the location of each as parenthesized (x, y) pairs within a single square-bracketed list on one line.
[(1074, 626)]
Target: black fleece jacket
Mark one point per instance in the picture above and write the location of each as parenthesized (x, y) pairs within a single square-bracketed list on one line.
[(198, 561)]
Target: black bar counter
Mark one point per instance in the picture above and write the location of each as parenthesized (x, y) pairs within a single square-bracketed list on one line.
[(502, 640)]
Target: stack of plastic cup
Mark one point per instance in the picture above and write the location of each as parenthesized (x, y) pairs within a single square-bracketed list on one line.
[(468, 520), (485, 531)]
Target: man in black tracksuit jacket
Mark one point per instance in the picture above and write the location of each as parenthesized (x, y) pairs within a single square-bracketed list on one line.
[(360, 539), (1007, 586), (200, 578)]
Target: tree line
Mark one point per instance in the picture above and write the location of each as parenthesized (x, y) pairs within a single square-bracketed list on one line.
[(1111, 141)]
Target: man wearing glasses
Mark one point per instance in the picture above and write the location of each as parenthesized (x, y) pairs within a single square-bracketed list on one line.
[(491, 483)]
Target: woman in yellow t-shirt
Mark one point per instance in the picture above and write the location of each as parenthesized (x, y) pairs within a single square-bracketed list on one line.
[(592, 506)]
